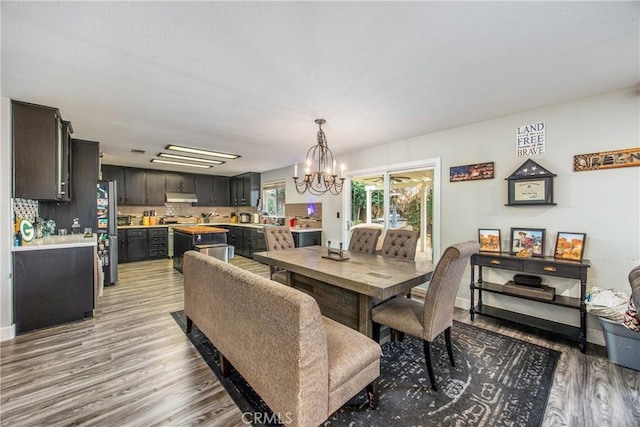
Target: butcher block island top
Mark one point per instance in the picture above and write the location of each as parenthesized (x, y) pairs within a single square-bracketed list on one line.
[(199, 229)]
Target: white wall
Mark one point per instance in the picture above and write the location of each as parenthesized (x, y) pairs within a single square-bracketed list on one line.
[(7, 329), (604, 204)]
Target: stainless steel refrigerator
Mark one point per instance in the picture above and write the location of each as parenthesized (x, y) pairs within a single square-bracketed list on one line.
[(107, 227)]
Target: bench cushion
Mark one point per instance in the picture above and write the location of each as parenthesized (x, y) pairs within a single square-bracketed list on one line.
[(354, 360)]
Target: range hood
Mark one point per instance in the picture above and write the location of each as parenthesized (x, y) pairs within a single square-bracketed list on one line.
[(181, 198)]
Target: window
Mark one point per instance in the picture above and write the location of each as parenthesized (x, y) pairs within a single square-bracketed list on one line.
[(273, 198)]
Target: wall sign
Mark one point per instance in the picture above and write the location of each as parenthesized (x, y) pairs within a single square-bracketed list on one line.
[(530, 140), (607, 160)]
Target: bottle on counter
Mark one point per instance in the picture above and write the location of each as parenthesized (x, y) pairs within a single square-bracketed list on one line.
[(75, 226)]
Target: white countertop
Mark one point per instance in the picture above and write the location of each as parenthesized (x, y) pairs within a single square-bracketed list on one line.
[(58, 242), (214, 224)]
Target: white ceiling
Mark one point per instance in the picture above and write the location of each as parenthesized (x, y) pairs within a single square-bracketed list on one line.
[(251, 77)]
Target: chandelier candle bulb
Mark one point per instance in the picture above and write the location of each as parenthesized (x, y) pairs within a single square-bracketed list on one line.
[(295, 170)]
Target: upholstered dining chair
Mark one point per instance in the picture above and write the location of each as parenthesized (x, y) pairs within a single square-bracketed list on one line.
[(278, 238), (400, 243), (364, 240), (427, 321)]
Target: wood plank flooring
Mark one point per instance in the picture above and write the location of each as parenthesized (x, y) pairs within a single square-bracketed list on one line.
[(132, 366)]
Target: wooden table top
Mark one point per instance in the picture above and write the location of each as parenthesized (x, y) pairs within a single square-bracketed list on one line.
[(199, 229), (372, 275)]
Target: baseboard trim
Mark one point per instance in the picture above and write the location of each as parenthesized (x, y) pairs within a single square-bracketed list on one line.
[(8, 332)]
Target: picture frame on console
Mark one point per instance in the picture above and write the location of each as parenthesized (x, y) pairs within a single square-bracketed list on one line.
[(489, 240), (527, 242), (569, 246)]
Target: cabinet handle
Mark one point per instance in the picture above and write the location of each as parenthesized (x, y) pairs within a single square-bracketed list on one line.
[(549, 268), (495, 261)]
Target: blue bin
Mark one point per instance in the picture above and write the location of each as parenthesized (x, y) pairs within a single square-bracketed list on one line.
[(623, 344)]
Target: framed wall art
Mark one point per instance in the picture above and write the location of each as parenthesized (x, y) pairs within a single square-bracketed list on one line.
[(530, 184), (489, 240), (527, 241), (471, 172), (570, 246)]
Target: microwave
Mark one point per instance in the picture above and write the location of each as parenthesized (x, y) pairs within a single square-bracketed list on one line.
[(124, 220)]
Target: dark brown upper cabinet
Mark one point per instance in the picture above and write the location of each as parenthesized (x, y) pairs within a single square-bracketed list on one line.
[(41, 153)]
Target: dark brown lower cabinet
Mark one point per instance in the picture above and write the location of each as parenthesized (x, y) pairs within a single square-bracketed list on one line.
[(52, 287)]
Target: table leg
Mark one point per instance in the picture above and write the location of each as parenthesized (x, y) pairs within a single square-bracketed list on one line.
[(365, 326)]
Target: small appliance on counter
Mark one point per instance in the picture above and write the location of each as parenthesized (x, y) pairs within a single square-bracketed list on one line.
[(245, 217), (256, 218), (124, 220)]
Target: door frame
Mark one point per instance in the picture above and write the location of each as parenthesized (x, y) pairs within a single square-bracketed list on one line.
[(385, 170)]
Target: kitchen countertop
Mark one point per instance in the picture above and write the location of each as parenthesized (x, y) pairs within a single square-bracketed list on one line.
[(57, 242), (199, 229), (213, 224)]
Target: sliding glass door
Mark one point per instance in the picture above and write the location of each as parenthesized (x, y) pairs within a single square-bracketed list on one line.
[(402, 196)]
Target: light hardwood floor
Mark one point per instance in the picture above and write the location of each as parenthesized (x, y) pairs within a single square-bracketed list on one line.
[(132, 366)]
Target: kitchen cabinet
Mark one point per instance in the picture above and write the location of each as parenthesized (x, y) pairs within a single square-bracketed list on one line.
[(67, 156), (180, 182), (122, 246), (157, 242), (115, 173), (571, 270), (221, 190), (52, 287), (155, 188), (137, 244), (135, 181), (306, 238), (83, 205), (40, 152), (212, 190), (245, 189)]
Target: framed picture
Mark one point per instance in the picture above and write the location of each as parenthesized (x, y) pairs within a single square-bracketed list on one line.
[(471, 172), (527, 241), (538, 191), (530, 184), (489, 240), (570, 245)]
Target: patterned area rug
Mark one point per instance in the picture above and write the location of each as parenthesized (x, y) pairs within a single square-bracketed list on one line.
[(497, 381)]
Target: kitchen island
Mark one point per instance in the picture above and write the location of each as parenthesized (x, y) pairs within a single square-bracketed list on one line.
[(186, 238), (54, 281)]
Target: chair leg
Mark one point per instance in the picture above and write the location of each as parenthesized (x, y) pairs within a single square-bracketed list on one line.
[(189, 325), (373, 392), (225, 366), (427, 357), (397, 335), (447, 338), (375, 331)]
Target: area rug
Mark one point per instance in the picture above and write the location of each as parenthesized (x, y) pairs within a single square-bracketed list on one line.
[(497, 381)]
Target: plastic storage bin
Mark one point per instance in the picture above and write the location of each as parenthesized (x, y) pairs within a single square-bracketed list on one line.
[(623, 345)]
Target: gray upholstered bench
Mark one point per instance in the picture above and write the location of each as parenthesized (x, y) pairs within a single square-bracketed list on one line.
[(303, 365)]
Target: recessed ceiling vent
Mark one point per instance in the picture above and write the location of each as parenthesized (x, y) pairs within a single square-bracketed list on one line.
[(138, 151)]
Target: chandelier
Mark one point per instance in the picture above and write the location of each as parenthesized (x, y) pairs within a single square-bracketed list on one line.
[(320, 169)]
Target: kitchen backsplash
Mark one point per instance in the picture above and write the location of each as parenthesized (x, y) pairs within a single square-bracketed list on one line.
[(183, 210), (306, 214), (25, 208)]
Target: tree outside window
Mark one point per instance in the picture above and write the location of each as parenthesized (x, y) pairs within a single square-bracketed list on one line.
[(273, 199)]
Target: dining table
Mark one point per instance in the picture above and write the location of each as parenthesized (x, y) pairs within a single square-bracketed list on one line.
[(346, 288)]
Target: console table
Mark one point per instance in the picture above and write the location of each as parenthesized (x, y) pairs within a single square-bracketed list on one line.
[(547, 266)]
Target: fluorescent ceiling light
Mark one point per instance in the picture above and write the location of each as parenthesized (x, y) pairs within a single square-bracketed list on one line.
[(191, 159), (171, 162), (203, 152)]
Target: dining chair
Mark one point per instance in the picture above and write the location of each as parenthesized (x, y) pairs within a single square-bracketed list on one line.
[(427, 321), (364, 240), (278, 238), (400, 243)]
